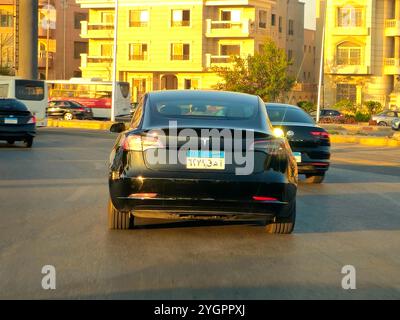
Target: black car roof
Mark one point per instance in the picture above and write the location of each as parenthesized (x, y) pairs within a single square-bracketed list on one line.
[(170, 94)]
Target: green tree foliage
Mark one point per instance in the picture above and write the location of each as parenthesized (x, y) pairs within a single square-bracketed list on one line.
[(265, 74), (307, 106)]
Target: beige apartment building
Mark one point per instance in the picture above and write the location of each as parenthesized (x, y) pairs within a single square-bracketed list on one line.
[(62, 42), (362, 50), (175, 45)]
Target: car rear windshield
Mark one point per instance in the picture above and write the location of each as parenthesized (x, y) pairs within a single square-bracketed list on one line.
[(288, 114), (182, 107), (14, 105)]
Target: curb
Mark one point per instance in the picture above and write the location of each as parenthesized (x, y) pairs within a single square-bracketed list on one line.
[(80, 124), (369, 141)]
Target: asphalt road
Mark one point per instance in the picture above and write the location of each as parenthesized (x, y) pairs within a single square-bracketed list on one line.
[(53, 212)]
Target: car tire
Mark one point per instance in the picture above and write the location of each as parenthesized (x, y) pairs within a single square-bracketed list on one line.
[(315, 179), (10, 141), (283, 225), (382, 124), (68, 116), (118, 220), (29, 142)]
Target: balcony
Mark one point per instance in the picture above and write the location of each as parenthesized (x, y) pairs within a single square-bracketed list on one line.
[(392, 27), (42, 60), (42, 33), (97, 30), (98, 61), (229, 29), (350, 31), (217, 61), (348, 69), (391, 66)]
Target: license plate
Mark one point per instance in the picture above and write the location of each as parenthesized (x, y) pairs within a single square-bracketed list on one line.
[(10, 121), (297, 155), (205, 160)]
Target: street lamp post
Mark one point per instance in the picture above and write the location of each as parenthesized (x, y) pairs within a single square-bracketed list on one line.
[(115, 52)]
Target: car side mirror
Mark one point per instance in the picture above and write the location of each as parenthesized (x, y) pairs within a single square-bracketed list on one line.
[(117, 127)]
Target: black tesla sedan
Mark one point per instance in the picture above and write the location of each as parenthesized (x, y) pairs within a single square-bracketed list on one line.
[(201, 155), (68, 110), (17, 123), (310, 143)]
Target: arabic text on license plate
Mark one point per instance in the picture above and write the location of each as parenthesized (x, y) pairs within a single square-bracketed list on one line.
[(10, 121), (207, 160), (297, 155)]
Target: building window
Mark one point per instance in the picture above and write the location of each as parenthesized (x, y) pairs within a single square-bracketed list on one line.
[(349, 17), (348, 54), (106, 50), (107, 17), (79, 48), (230, 50), (280, 24), (138, 51), (262, 19), (273, 19), (346, 91), (191, 84), (290, 55), (180, 51), (230, 15), (6, 19), (78, 17), (291, 28), (180, 18), (139, 87), (138, 18)]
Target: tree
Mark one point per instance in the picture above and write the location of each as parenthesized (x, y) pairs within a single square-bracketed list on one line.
[(264, 74), (307, 106)]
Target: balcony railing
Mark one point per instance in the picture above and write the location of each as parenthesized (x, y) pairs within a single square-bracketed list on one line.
[(180, 57), (97, 30), (392, 27), (220, 29), (392, 66), (42, 57), (139, 57), (98, 60), (218, 60)]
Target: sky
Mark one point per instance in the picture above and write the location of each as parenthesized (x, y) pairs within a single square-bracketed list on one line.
[(309, 14)]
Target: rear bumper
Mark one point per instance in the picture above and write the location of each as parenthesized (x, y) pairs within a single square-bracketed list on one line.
[(314, 160), (17, 132), (202, 198), (317, 168)]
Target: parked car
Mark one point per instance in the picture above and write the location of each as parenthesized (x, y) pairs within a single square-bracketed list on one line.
[(204, 183), (328, 114), (17, 123), (68, 110), (396, 124), (310, 143), (385, 118)]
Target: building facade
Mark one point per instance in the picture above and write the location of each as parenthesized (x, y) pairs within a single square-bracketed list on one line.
[(175, 45), (6, 36), (59, 46), (362, 50)]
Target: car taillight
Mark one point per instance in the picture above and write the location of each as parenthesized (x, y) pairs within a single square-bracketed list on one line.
[(261, 198), (141, 143), (320, 134), (32, 120), (272, 147), (81, 109)]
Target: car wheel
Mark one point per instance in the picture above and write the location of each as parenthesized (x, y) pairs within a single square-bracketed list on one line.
[(29, 142), (382, 124), (118, 220), (283, 225), (68, 116), (10, 141), (315, 179)]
